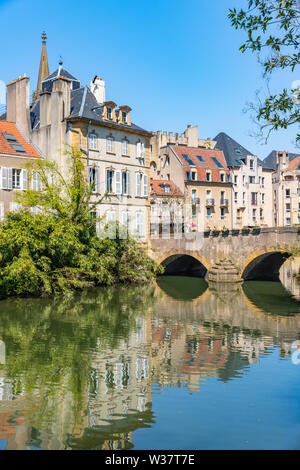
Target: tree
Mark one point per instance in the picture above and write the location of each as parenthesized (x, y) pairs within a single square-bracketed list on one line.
[(68, 198), (58, 250), (273, 29)]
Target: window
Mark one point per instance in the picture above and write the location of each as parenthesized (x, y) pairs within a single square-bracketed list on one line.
[(124, 117), (287, 193), (139, 177), (235, 197), (188, 175), (251, 179), (93, 179), (110, 144), (194, 195), (201, 159), (109, 181), (36, 181), (222, 177), (261, 214), (254, 199), (244, 180), (235, 180), (288, 221), (237, 151), (125, 147), (194, 176), (118, 182), (244, 199), (188, 160), (263, 198), (93, 142), (167, 163), (16, 178), (166, 188), (251, 164), (145, 185), (168, 176), (208, 176), (109, 112), (288, 207), (139, 224), (222, 213), (263, 182), (125, 219), (214, 159), (208, 212), (254, 213), (125, 182)]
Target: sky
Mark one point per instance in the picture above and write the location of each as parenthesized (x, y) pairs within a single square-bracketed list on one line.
[(174, 62)]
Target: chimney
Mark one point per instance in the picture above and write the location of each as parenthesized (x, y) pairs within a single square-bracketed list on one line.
[(17, 103), (98, 89)]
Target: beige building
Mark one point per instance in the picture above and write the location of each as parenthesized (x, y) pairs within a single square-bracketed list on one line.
[(204, 179), (114, 149), (252, 203), (15, 152), (286, 190)]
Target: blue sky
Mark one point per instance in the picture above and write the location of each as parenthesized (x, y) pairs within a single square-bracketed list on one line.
[(174, 62)]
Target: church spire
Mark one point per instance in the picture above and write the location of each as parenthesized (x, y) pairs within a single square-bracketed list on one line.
[(44, 67)]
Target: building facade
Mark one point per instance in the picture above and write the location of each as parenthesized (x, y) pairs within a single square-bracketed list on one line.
[(252, 204), (15, 152), (286, 190)]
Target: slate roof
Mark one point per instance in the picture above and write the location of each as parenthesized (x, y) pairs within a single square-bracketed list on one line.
[(207, 163), (270, 160), (59, 73), (158, 188), (85, 105), (6, 149), (234, 151)]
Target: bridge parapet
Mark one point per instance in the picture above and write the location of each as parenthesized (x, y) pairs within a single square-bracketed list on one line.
[(217, 249)]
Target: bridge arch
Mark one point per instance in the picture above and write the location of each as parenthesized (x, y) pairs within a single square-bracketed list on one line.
[(264, 265), (185, 263)]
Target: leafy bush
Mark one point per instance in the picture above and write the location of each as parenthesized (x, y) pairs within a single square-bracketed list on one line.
[(44, 254)]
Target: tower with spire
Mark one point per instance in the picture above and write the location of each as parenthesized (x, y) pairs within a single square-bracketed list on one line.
[(44, 68)]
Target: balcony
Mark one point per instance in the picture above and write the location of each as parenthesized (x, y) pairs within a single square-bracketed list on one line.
[(210, 202), (196, 200), (224, 203)]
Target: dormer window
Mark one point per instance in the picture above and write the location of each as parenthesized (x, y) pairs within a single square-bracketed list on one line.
[(109, 112), (208, 176), (124, 115)]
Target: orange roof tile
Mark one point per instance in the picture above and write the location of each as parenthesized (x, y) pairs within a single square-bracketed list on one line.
[(6, 149), (295, 164), (207, 162), (158, 188)]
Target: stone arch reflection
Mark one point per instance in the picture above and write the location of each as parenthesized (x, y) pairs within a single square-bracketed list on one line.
[(271, 297), (182, 288)]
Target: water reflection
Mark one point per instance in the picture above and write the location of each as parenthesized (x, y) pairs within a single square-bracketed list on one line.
[(80, 373), (290, 276)]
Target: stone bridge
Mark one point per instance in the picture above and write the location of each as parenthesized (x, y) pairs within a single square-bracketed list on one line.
[(227, 256)]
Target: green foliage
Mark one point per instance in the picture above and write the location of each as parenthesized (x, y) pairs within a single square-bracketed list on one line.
[(59, 250), (273, 28)]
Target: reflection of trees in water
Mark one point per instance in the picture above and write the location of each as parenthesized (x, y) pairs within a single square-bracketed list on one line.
[(50, 347)]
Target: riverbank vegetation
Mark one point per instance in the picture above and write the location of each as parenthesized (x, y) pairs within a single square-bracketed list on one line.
[(58, 249)]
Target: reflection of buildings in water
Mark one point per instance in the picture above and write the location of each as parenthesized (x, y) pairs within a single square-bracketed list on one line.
[(288, 273), (215, 335)]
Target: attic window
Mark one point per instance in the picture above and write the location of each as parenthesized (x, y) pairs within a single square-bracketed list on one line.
[(124, 117), (200, 158), (109, 112), (187, 158), (214, 159), (11, 139)]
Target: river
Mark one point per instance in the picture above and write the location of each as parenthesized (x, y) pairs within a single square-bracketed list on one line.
[(173, 365)]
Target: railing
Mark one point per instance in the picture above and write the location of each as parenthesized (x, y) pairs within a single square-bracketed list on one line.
[(224, 202), (210, 202)]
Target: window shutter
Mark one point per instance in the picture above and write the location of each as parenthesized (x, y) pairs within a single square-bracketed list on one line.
[(25, 179), (145, 185), (118, 183), (138, 150), (138, 184), (9, 178), (128, 182), (4, 178), (97, 180)]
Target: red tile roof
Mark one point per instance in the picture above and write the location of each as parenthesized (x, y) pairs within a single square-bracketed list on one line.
[(295, 164), (202, 166), (158, 188), (6, 149)]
